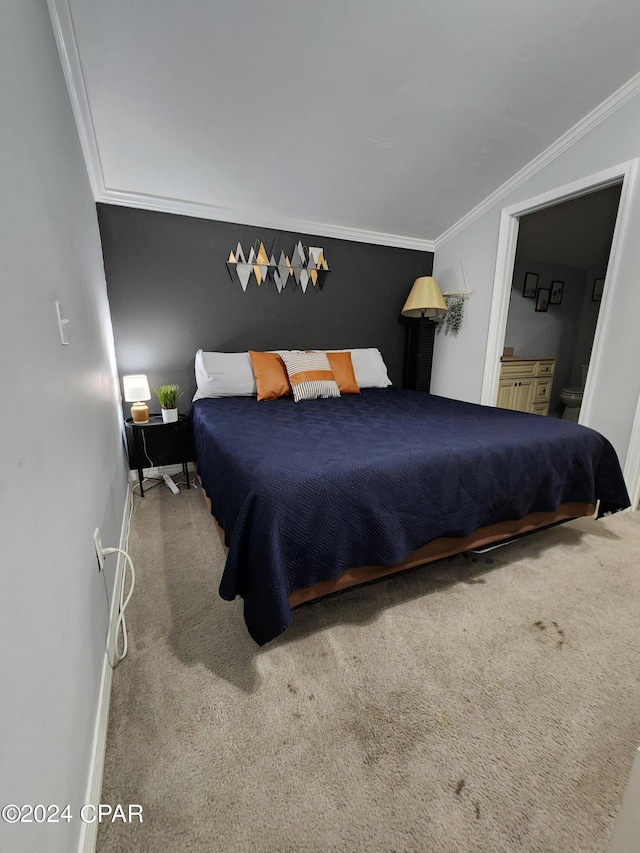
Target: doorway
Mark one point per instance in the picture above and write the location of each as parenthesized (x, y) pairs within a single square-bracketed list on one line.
[(505, 260), (560, 266)]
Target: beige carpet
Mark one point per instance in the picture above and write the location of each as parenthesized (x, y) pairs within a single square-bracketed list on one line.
[(487, 705)]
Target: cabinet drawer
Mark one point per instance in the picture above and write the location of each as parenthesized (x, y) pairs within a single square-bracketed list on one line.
[(517, 369), (540, 409), (542, 390), (546, 368)]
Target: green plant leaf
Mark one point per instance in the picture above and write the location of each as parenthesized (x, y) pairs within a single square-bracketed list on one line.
[(168, 395)]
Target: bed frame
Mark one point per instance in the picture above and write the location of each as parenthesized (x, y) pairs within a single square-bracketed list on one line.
[(445, 546)]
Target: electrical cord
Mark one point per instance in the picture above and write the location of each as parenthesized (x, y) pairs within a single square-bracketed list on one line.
[(154, 480), (144, 445), (121, 624), (192, 482), (158, 480), (146, 479), (125, 539)]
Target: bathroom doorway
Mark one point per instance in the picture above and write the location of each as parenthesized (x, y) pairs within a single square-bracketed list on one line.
[(606, 340), (560, 266), (505, 260)]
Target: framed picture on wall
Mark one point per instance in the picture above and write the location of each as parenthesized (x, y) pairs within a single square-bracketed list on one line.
[(542, 298), (556, 292), (598, 287), (530, 285)]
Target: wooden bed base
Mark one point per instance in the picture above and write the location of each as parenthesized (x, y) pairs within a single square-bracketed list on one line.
[(445, 546)]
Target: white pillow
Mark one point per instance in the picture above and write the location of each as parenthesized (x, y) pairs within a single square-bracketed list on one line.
[(368, 366), (224, 374)]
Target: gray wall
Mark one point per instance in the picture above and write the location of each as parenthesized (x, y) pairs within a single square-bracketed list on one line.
[(587, 324), (61, 453), (551, 334), (170, 294)]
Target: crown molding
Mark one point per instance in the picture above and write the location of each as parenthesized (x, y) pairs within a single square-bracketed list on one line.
[(64, 31), (65, 36), (629, 90), (184, 207)]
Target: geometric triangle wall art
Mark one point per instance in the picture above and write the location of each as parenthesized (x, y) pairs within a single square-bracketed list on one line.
[(308, 266)]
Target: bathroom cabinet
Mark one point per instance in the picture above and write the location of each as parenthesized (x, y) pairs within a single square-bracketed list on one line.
[(525, 384)]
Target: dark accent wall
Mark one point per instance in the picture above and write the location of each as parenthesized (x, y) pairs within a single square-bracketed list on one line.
[(170, 294)]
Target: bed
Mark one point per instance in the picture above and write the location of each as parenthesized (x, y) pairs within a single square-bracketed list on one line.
[(314, 496)]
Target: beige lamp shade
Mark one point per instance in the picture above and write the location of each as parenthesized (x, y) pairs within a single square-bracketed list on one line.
[(425, 299), (136, 389)]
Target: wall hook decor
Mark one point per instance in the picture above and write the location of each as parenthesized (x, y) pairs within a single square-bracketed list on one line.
[(307, 265), (451, 322)]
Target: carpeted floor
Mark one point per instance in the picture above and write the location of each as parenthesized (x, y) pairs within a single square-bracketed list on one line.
[(487, 704)]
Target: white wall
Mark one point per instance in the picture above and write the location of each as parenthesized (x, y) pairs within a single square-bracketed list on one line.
[(459, 362), (61, 456)]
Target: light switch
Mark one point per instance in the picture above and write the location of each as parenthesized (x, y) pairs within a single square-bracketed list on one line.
[(62, 325)]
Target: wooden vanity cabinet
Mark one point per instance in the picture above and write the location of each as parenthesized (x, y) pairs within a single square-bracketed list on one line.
[(525, 384)]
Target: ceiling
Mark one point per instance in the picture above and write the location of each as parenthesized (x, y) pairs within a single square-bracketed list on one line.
[(391, 118)]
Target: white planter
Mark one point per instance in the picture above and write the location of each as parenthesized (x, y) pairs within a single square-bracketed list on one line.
[(169, 416)]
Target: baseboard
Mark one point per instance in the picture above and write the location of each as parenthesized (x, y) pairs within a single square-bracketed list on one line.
[(89, 831), (624, 838)]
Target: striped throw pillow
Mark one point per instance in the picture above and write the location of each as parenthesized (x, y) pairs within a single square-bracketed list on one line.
[(310, 375)]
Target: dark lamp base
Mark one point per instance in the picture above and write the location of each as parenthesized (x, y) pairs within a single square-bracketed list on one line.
[(418, 354)]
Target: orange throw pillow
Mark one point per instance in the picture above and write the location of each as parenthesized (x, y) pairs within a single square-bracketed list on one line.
[(271, 375), (342, 367)]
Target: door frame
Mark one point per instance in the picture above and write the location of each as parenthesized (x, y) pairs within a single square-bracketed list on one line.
[(505, 261), (632, 464)]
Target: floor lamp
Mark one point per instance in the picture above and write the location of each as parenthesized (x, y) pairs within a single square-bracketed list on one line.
[(424, 302)]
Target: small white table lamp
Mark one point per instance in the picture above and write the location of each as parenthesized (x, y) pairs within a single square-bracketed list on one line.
[(136, 389)]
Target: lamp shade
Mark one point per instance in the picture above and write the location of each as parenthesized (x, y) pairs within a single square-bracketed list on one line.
[(425, 299), (136, 388)]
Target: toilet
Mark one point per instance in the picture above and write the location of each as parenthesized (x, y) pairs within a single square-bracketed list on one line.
[(572, 397)]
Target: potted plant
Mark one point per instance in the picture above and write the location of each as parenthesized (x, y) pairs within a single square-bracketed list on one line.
[(168, 398)]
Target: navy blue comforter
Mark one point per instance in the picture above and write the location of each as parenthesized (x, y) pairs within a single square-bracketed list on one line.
[(304, 491)]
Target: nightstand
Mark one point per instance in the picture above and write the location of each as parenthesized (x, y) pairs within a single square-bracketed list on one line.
[(162, 434)]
